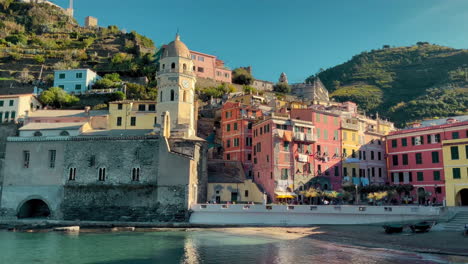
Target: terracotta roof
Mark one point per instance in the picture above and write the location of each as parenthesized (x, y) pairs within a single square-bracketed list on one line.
[(66, 113)]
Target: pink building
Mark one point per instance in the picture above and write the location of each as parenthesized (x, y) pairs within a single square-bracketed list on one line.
[(327, 149), (208, 66), (97, 118), (236, 123), (415, 157), (283, 155)]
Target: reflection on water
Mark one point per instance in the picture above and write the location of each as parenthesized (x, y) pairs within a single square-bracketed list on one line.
[(188, 247)]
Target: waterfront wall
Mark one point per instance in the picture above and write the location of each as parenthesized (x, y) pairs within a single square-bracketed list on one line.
[(303, 215)]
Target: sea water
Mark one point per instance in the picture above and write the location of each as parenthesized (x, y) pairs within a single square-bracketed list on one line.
[(190, 247)]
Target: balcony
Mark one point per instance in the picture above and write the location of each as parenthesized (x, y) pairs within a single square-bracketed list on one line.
[(304, 137), (350, 126)]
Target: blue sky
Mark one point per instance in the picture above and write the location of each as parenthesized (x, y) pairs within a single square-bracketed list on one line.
[(296, 36)]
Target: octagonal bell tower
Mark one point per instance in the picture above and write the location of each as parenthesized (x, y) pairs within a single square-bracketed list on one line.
[(176, 82)]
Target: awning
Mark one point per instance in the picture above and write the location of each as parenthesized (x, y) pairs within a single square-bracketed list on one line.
[(287, 136), (285, 195)]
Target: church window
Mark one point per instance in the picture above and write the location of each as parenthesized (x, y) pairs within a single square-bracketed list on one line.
[(64, 133), (26, 156), (163, 66), (184, 66), (185, 96), (160, 96), (172, 95), (102, 174), (52, 157), (173, 65), (72, 174), (136, 174)]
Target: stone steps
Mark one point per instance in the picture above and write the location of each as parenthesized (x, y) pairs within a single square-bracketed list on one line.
[(457, 223)]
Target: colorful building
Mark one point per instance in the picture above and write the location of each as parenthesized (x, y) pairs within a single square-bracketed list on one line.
[(130, 114), (236, 122), (327, 149), (16, 107), (208, 66), (414, 156), (455, 158), (75, 81), (283, 156)]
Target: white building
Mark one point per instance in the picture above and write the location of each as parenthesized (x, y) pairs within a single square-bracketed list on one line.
[(76, 80)]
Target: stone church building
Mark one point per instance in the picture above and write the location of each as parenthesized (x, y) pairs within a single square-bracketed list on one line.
[(62, 172)]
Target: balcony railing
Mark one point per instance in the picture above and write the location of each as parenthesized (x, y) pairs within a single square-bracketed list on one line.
[(305, 137), (350, 126)]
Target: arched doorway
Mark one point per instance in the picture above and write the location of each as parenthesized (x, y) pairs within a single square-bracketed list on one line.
[(421, 195), (34, 208), (462, 197)]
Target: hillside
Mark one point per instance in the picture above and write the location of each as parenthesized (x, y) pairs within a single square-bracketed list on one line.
[(33, 36), (403, 83)]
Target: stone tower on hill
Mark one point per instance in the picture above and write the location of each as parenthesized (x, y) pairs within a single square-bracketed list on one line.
[(283, 78), (176, 80)]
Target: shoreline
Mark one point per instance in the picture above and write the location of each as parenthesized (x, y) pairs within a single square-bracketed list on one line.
[(368, 236)]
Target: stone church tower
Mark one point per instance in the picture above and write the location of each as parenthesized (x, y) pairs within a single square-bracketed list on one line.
[(176, 81)]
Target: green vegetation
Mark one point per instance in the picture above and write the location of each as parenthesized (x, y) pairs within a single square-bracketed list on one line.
[(282, 88), (138, 91), (242, 76), (398, 82), (58, 98), (111, 80), (215, 92)]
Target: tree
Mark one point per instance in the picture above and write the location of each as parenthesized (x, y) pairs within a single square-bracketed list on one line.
[(57, 97), (39, 59), (282, 88), (242, 76), (117, 96), (249, 89)]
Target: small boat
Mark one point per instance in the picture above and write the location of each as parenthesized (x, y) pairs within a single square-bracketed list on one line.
[(422, 227), (395, 228)]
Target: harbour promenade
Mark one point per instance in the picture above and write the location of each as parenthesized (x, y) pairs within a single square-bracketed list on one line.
[(304, 215)]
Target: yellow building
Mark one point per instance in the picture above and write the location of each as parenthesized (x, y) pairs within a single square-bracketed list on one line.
[(350, 146), (455, 155), (17, 106), (129, 114), (242, 192), (298, 105)]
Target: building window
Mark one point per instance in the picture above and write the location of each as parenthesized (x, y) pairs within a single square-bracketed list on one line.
[(286, 145), (379, 155), (1, 103), (372, 155), (235, 127), (173, 65), (236, 142), (404, 142), (435, 157), (155, 120), (79, 75), (228, 156), (136, 174), (172, 95), (373, 172), (246, 193), (152, 107), (436, 175), (466, 150), (62, 76), (228, 127), (160, 96), (456, 173), (200, 58), (26, 156), (119, 106), (284, 174), (455, 135), (420, 176), (418, 157), (337, 171), (405, 159), (65, 133), (200, 69), (380, 172), (7, 115), (141, 107), (249, 156), (38, 134), (62, 86), (194, 57), (184, 94), (395, 160), (394, 143), (228, 143), (72, 174), (52, 156), (133, 121), (102, 174), (345, 171), (454, 153), (119, 121), (77, 86), (12, 102)]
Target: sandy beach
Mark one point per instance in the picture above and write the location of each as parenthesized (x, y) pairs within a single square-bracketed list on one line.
[(435, 242)]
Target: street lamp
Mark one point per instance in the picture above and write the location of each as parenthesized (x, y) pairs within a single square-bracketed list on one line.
[(357, 197)]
